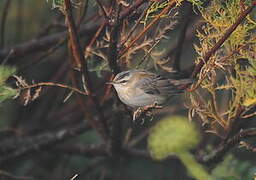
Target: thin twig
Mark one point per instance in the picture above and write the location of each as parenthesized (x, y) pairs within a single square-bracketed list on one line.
[(134, 27), (164, 11), (142, 112), (102, 9), (96, 35), (248, 146), (55, 85)]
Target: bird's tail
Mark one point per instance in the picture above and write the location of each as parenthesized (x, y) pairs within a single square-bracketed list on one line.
[(182, 84), (182, 81)]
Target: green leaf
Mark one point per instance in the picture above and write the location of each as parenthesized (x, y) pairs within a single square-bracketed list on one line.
[(176, 135), (6, 93), (5, 72), (172, 135)]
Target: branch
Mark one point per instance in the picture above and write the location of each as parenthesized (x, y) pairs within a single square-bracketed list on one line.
[(79, 61), (37, 45), (218, 154), (127, 11), (124, 14), (164, 11), (116, 133), (248, 146), (11, 149), (226, 35), (114, 35), (41, 44), (145, 111), (134, 27), (55, 85), (102, 9)]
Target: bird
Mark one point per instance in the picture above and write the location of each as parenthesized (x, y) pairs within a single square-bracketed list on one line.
[(139, 88)]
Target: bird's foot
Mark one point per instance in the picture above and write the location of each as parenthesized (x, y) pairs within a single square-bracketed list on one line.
[(144, 112)]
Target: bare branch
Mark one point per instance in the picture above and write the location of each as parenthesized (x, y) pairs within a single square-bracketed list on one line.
[(80, 62)]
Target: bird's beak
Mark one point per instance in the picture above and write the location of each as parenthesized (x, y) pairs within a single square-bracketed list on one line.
[(111, 82)]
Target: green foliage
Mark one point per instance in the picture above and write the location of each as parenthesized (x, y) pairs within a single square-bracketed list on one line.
[(172, 135), (5, 91), (176, 135), (234, 169), (198, 3), (57, 3), (195, 169), (153, 10), (5, 72), (240, 82)]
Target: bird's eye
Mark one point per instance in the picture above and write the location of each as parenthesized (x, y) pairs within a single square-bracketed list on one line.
[(123, 81)]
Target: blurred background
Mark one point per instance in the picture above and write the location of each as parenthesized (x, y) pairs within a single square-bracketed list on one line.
[(52, 138)]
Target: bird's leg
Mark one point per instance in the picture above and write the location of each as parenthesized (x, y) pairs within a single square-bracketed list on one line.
[(141, 112)]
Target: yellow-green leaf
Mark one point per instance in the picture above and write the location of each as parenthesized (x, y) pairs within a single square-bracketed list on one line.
[(172, 135)]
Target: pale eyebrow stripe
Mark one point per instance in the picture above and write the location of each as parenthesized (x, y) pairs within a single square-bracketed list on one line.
[(121, 76)]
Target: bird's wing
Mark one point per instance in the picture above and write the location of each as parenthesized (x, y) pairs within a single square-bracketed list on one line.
[(156, 84)]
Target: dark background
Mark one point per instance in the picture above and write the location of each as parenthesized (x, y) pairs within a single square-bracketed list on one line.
[(52, 139)]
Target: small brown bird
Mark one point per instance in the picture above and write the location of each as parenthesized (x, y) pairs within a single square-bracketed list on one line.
[(138, 88)]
